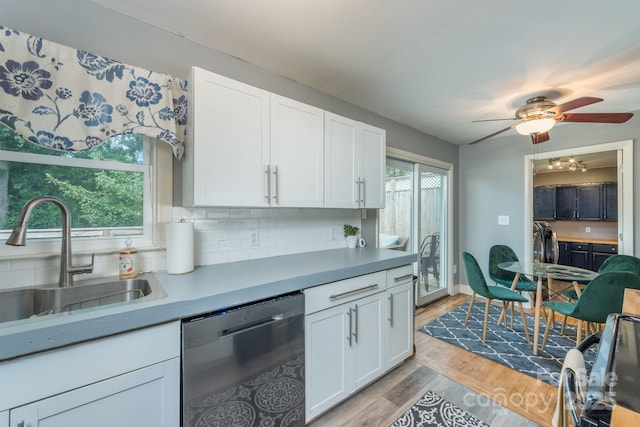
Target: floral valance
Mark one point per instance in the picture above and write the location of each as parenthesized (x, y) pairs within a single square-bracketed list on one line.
[(72, 100)]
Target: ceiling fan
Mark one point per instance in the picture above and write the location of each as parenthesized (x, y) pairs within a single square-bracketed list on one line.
[(539, 115)]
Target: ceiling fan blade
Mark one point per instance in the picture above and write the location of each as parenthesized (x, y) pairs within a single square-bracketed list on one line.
[(492, 135), (492, 120), (537, 138), (576, 103), (596, 117)]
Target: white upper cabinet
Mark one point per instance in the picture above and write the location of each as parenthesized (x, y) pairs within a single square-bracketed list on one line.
[(354, 164), (248, 147), (340, 179), (297, 143), (372, 166), (227, 147)]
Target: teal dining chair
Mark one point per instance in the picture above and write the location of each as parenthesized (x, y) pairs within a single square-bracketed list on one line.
[(479, 286), (504, 253), (613, 263), (602, 296)]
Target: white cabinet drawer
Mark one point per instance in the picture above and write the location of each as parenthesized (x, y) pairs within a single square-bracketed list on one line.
[(45, 374), (336, 293), (398, 276)]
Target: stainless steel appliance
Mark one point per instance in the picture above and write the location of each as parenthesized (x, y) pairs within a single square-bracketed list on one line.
[(244, 366), (545, 243), (614, 376)]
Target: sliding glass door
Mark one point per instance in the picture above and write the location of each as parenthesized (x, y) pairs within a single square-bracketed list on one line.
[(415, 220), (432, 231)]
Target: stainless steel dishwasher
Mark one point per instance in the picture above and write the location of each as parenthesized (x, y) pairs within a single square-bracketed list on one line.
[(244, 366)]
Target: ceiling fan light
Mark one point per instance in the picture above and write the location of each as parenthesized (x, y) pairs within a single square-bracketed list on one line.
[(535, 126)]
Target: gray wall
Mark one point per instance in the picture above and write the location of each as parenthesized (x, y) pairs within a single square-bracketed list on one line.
[(85, 25), (492, 182)]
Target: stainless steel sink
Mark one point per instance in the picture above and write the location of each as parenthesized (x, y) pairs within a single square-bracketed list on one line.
[(22, 303)]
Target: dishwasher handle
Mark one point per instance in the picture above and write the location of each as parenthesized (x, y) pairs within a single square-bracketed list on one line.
[(251, 325)]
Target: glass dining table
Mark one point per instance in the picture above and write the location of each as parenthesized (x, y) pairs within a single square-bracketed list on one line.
[(541, 271)]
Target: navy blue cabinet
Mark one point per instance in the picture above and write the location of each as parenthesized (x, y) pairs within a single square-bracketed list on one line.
[(544, 203), (580, 255), (600, 252), (585, 255), (566, 200), (589, 203), (597, 202), (610, 202), (564, 253)]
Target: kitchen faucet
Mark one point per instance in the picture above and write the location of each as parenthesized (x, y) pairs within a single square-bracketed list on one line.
[(17, 238)]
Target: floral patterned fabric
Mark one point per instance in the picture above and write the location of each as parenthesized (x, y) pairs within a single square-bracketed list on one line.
[(71, 100)]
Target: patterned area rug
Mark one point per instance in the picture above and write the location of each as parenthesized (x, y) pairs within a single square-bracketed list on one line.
[(506, 346), (272, 398), (433, 410)]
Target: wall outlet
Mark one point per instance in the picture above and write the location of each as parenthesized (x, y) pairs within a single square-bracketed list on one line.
[(587, 229), (455, 268), (333, 233), (254, 237), (503, 219)]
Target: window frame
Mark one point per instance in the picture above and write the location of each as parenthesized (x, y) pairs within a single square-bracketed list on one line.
[(156, 198)]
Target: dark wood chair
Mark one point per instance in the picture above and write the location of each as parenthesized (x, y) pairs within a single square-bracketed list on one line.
[(430, 257)]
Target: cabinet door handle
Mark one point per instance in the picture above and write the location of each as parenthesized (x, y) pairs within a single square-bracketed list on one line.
[(267, 194), (275, 184), (350, 329), (355, 319), (358, 197), (353, 291), (363, 194), (391, 310)]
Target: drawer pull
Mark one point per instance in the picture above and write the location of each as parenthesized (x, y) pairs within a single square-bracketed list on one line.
[(405, 277), (354, 291)]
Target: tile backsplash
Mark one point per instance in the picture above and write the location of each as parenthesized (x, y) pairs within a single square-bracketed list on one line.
[(221, 235), (232, 234)]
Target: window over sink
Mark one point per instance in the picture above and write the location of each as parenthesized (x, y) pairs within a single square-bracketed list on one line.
[(109, 190)]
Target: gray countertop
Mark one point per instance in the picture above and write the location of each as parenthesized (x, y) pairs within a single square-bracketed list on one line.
[(208, 288)]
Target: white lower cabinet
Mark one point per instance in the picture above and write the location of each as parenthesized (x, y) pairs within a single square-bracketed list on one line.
[(399, 324), (146, 397), (400, 321), (355, 331), (344, 350), (127, 379)]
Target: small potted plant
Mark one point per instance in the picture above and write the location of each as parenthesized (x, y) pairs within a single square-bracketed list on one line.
[(351, 233)]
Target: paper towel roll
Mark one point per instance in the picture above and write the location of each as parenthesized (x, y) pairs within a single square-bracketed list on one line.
[(179, 247)]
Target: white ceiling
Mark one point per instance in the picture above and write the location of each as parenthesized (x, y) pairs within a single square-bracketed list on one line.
[(433, 65)]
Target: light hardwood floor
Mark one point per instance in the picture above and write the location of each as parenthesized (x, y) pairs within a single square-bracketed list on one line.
[(497, 395)]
